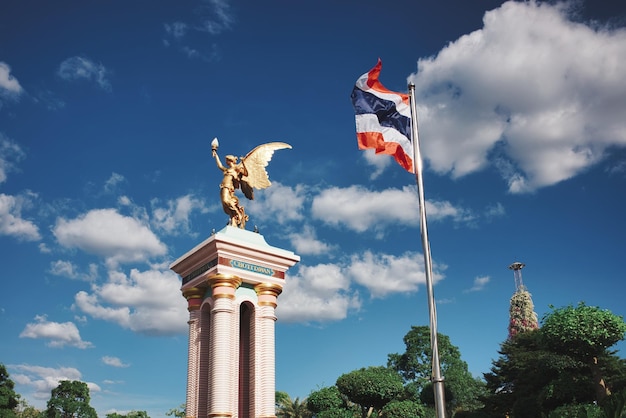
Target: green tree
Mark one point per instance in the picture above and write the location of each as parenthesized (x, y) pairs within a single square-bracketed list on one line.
[(25, 410), (415, 365), (585, 333), (70, 399), (614, 405), (325, 399), (279, 397), (529, 380), (9, 399), (557, 367), (178, 412), (403, 409), (292, 408), (371, 388), (30, 412), (577, 411), (338, 413), (131, 414)]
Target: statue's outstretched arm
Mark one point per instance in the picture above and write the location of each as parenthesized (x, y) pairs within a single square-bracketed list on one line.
[(217, 160)]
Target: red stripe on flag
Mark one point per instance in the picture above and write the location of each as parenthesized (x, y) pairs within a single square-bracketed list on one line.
[(375, 140)]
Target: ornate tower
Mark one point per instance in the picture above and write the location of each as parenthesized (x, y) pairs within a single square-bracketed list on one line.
[(231, 282), (522, 316)]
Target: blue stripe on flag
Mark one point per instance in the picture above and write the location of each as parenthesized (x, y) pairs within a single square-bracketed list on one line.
[(385, 111)]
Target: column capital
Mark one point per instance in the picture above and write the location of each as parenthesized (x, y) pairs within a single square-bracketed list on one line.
[(194, 296), (268, 293), (224, 285)]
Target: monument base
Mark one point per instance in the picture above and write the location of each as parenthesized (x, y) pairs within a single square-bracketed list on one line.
[(231, 282)]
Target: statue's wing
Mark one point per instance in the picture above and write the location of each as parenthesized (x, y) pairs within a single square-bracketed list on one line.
[(246, 189), (255, 163)]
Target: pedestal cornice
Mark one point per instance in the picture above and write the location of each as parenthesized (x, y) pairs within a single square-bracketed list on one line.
[(237, 252)]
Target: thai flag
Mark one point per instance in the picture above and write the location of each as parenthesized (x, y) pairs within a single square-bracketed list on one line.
[(383, 118)]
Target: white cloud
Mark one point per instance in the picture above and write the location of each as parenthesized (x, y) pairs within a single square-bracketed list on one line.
[(11, 221), (216, 18), (106, 233), (532, 88), (384, 274), (174, 218), (10, 154), (360, 209), (147, 302), (479, 284), (9, 86), (379, 161), (320, 293), (279, 203), (305, 242), (177, 29), (113, 362), (329, 292), (59, 334), (81, 68), (124, 201), (494, 211), (48, 99), (112, 382), (89, 304), (43, 379), (111, 184), (70, 270), (438, 210), (213, 17)]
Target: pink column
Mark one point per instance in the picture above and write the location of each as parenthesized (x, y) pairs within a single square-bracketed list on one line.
[(266, 357), (194, 298), (223, 344)]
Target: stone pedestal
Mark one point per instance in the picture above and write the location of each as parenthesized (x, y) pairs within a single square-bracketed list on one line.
[(231, 282)]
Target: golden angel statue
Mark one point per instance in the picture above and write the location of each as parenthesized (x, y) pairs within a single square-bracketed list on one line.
[(248, 174)]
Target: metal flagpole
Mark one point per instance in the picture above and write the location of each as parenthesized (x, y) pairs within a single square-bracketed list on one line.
[(436, 378)]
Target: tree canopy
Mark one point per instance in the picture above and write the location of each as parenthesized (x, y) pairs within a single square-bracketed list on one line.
[(415, 366), (403, 409), (324, 399), (291, 408), (70, 399), (371, 388), (178, 412), (25, 410), (564, 365), (583, 331), (9, 399), (131, 414)]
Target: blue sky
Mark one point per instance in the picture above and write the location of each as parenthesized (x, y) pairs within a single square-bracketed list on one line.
[(107, 111)]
